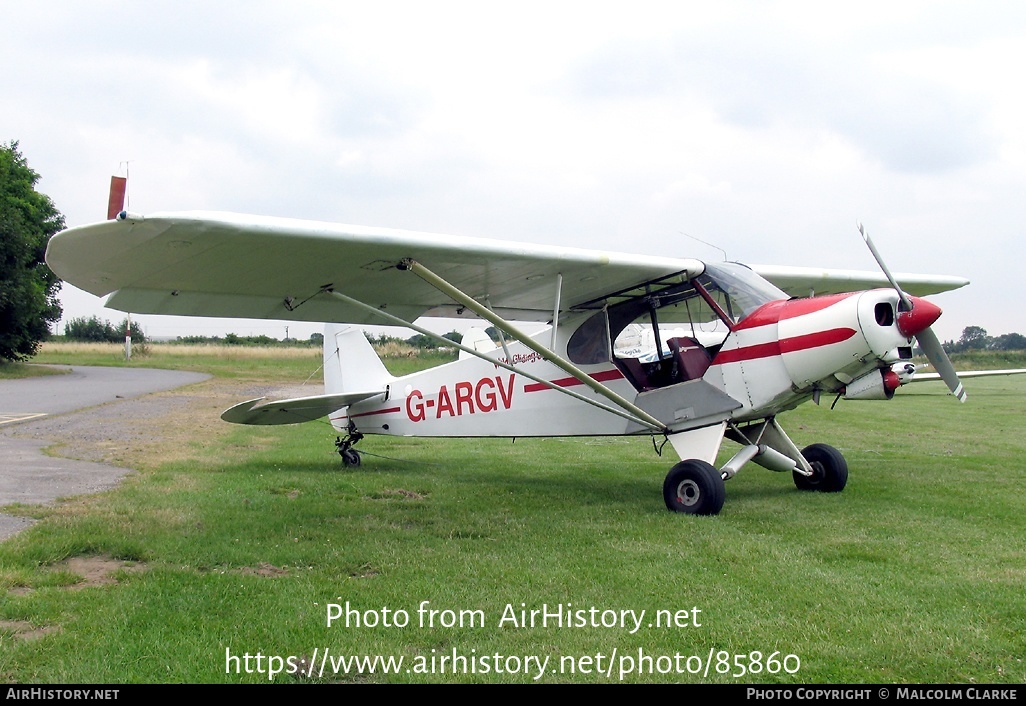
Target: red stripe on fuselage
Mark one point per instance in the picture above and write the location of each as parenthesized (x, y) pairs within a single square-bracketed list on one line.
[(787, 345), (604, 376), (379, 411), (776, 311)]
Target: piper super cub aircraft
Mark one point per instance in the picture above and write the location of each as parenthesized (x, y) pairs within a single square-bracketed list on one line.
[(693, 351)]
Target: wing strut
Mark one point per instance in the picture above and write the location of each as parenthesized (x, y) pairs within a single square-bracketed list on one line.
[(485, 313), (637, 419), (555, 310)]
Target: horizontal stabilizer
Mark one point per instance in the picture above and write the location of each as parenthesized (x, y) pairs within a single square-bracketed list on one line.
[(294, 411)]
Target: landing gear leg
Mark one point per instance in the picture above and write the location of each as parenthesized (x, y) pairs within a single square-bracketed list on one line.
[(344, 445)]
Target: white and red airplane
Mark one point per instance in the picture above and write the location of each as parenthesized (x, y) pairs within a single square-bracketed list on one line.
[(748, 343)]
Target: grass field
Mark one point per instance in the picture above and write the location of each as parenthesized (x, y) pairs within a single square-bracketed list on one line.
[(14, 371), (242, 543), (261, 363)]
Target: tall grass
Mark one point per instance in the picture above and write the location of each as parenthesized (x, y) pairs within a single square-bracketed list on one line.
[(989, 360), (285, 364), (78, 351)]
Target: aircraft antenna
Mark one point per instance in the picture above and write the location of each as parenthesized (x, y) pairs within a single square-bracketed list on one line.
[(715, 247)]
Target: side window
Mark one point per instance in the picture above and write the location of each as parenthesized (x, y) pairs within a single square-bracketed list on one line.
[(589, 344)]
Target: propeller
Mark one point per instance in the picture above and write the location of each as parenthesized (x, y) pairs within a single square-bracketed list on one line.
[(915, 316)]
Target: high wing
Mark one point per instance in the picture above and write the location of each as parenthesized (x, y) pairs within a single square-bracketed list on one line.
[(813, 281), (927, 377), (231, 265)]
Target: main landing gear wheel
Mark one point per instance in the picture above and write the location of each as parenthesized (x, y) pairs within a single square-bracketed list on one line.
[(829, 470), (694, 487)]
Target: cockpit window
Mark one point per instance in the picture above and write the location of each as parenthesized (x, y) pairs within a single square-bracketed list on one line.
[(639, 325)]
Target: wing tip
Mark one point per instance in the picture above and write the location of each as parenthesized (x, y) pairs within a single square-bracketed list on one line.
[(240, 413)]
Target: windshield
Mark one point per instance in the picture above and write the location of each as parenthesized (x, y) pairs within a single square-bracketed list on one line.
[(745, 290)]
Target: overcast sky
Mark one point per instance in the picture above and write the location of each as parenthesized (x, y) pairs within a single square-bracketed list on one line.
[(764, 128)]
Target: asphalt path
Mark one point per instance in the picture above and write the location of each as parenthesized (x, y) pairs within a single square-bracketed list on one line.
[(29, 476)]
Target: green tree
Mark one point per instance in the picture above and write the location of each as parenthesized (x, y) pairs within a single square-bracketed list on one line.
[(28, 289), (138, 335), (93, 329), (1009, 342), (973, 338), (423, 342)]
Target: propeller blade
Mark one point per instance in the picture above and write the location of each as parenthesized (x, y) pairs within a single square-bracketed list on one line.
[(931, 346), (906, 304), (927, 339)]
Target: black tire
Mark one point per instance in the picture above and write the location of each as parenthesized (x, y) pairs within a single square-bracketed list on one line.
[(695, 488), (829, 470), (351, 458)]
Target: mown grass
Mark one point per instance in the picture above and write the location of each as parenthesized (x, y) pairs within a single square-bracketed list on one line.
[(14, 371), (914, 574)]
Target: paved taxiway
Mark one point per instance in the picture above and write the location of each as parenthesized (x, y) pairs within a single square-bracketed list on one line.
[(29, 476)]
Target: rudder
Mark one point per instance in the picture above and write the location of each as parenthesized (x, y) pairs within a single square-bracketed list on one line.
[(350, 363)]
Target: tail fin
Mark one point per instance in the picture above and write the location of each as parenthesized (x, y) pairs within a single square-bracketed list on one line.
[(352, 373), (350, 363), (477, 339)]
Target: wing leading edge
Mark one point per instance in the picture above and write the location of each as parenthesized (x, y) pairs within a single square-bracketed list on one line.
[(231, 265), (815, 281), (218, 264)]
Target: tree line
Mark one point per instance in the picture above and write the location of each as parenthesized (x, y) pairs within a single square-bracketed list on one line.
[(419, 341), (975, 338), (94, 330)]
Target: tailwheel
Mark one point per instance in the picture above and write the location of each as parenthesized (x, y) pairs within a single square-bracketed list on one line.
[(829, 470), (344, 445), (694, 487)]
